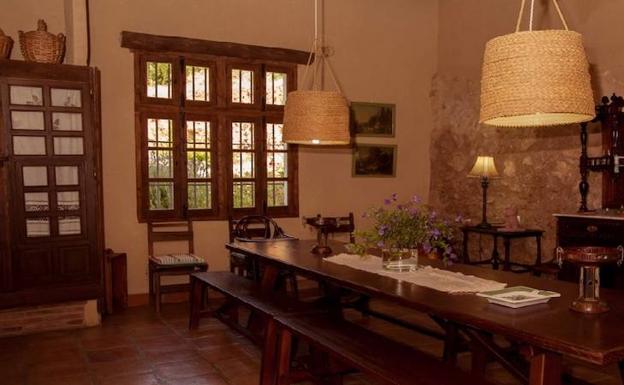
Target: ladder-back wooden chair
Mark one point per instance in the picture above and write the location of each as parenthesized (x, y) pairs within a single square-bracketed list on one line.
[(171, 264)]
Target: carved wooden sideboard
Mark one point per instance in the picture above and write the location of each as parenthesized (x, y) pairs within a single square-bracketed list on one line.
[(592, 229)]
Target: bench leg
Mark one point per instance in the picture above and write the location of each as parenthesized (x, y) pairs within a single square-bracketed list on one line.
[(157, 291), (196, 302), (283, 358), (269, 354)]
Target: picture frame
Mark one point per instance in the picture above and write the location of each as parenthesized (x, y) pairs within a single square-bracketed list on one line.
[(373, 119), (374, 160)]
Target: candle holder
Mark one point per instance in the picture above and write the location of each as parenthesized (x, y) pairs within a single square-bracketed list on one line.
[(590, 259)]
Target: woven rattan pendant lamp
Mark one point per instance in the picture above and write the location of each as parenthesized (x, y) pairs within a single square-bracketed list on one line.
[(316, 116), (536, 78)]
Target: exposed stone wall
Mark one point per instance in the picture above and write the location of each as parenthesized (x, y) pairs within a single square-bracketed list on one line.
[(539, 166), (28, 320)]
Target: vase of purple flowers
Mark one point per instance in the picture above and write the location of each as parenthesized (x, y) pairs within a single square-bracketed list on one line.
[(401, 229)]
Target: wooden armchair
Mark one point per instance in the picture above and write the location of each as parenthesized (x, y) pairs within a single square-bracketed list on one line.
[(170, 264)]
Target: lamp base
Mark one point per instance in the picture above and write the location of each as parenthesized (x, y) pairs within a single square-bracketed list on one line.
[(484, 225)]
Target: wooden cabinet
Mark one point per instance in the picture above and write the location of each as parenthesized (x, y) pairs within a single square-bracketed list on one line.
[(51, 230)]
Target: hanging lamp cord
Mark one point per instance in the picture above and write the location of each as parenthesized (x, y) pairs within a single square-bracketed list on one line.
[(320, 55), (521, 13)]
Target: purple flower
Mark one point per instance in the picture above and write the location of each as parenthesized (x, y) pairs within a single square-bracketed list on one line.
[(427, 247), (416, 199), (380, 244), (382, 230), (394, 196), (400, 207), (448, 250), (433, 215), (435, 233), (414, 211), (459, 218), (387, 202)]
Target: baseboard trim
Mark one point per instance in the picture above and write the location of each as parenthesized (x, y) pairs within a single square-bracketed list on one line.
[(142, 299)]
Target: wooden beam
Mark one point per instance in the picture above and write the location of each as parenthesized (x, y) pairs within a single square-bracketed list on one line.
[(157, 43)]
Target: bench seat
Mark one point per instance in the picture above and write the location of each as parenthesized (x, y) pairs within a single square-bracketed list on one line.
[(241, 291), (386, 360)]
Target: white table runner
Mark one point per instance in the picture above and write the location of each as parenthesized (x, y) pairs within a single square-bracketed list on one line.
[(427, 276)]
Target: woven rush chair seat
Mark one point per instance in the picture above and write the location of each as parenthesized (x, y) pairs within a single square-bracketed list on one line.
[(178, 259)]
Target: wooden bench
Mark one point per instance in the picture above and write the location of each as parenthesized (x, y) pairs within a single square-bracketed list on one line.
[(385, 360), (241, 291)]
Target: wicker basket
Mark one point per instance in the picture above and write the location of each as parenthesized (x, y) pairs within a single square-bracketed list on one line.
[(316, 117), (42, 46), (6, 43), (536, 78)]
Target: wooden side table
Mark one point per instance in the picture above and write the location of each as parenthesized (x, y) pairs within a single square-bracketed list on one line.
[(115, 281), (507, 236)]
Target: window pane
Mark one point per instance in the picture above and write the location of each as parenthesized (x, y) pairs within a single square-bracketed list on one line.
[(27, 120), (274, 137), (29, 145), (62, 97), (32, 96), (277, 193), (67, 200), (35, 175), (276, 88), (242, 86), (198, 134), (36, 201), (243, 165), (160, 163), (63, 121), (199, 195), (69, 225), (244, 194), (66, 175), (242, 136), (161, 195), (38, 227), (159, 84), (198, 164), (276, 165), (159, 133), (197, 83), (68, 146)]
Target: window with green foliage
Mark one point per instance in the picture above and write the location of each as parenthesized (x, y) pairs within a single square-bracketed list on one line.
[(209, 138)]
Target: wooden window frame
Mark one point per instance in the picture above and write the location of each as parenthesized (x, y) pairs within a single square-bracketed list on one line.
[(220, 111)]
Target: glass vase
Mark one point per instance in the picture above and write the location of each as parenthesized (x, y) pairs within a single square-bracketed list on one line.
[(400, 259)]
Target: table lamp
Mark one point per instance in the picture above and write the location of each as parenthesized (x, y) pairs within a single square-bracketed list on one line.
[(485, 169)]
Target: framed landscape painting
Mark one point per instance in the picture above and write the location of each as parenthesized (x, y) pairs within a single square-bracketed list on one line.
[(374, 160), (372, 119)]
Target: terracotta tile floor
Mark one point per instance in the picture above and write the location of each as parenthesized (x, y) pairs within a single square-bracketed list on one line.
[(138, 347)]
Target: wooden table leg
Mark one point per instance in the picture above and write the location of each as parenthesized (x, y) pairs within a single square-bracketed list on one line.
[(465, 256), (545, 369), (495, 256), (157, 291), (538, 254), (269, 354), (479, 359), (196, 299), (283, 358), (506, 263), (269, 278), (621, 365)]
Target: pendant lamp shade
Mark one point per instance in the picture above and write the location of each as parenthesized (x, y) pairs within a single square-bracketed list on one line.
[(536, 78), (316, 117)]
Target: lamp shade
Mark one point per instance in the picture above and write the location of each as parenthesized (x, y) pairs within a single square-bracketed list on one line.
[(536, 78), (483, 167), (316, 117)]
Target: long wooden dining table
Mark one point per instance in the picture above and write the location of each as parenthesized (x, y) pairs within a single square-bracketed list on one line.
[(543, 333)]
